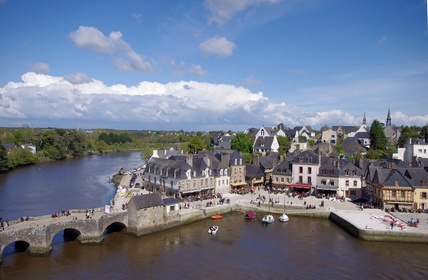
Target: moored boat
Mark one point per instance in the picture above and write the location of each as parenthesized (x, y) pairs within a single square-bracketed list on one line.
[(284, 218), (250, 215), (268, 219), (216, 217), (213, 229)]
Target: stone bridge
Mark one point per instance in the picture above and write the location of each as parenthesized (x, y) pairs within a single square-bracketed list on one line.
[(36, 235)]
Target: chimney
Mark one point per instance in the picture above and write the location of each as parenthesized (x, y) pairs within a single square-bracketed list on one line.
[(189, 159), (256, 160), (207, 160)]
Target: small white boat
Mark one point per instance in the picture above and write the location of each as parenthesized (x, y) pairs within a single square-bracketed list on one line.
[(283, 218), (268, 219), (213, 230)]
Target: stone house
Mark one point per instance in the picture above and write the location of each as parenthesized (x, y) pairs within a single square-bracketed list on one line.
[(145, 212)]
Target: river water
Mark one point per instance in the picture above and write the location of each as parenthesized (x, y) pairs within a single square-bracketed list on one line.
[(303, 248)]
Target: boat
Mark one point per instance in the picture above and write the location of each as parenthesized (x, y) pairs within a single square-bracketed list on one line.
[(250, 215), (216, 217), (213, 229), (283, 218), (268, 219)]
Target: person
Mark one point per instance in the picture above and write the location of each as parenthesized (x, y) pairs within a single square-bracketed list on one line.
[(392, 224)]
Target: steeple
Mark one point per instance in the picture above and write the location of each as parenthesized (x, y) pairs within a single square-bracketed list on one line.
[(364, 119), (388, 118)]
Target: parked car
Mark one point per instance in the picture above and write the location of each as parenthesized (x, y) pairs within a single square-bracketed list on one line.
[(137, 185)]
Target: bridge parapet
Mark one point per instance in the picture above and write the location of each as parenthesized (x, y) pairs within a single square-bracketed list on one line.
[(39, 232)]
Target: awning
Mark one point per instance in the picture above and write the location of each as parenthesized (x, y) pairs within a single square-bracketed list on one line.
[(327, 188), (239, 184), (207, 188), (300, 186), (189, 191)]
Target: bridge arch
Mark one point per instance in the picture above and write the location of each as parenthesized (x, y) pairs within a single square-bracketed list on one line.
[(14, 247), (115, 227)]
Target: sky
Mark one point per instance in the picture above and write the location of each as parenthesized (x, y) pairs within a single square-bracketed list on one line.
[(212, 64)]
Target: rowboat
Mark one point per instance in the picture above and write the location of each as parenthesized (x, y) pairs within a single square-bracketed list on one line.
[(216, 217), (213, 229)]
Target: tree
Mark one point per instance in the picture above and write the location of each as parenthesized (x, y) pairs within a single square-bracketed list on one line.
[(406, 133), (195, 145), (3, 158), (424, 133), (241, 143), (284, 144), (378, 139)]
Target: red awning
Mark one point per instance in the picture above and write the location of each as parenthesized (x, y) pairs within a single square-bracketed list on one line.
[(300, 186)]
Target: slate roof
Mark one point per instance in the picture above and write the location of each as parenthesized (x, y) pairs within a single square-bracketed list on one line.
[(306, 157), (170, 201), (265, 142), (346, 128), (352, 146), (169, 165), (147, 200), (253, 171), (284, 167)]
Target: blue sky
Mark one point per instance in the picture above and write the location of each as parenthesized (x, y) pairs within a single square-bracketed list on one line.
[(213, 64)]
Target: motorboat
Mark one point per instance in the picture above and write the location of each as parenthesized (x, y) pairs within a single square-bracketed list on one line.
[(283, 218), (213, 229), (250, 215), (216, 217), (268, 219)]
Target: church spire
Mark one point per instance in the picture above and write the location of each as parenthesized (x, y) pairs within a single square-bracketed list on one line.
[(388, 118), (364, 119)]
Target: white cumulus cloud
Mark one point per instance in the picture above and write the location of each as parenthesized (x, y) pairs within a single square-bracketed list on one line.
[(219, 46), (197, 70), (122, 54)]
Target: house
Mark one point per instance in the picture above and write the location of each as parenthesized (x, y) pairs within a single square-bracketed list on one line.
[(172, 177), (350, 180), (266, 144), (328, 178), (413, 149), (236, 164), (305, 171), (419, 177), (282, 175), (329, 136), (145, 211), (172, 205), (220, 172), (303, 131), (351, 146), (267, 164), (254, 176), (389, 186)]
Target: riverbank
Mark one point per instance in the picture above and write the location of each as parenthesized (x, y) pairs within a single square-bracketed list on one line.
[(367, 224)]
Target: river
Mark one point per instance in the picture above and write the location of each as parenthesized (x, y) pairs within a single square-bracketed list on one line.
[(303, 248)]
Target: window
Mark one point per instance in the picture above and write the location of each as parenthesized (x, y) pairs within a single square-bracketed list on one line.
[(355, 183), (221, 172), (309, 170), (347, 172), (282, 179), (332, 182), (300, 169), (424, 183), (394, 193), (300, 179), (403, 193), (347, 183), (172, 184), (324, 171), (172, 208), (423, 195), (397, 182), (324, 182), (309, 180), (354, 172), (353, 192)]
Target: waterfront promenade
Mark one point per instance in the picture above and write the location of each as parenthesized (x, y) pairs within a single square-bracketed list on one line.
[(367, 224)]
